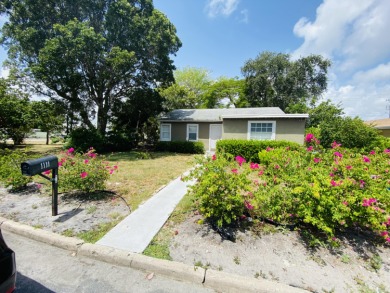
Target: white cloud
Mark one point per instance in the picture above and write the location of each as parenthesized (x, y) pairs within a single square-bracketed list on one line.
[(245, 16), (221, 7), (354, 35), (369, 102), (377, 74)]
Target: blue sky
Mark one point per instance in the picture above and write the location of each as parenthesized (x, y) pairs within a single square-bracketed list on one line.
[(220, 35)]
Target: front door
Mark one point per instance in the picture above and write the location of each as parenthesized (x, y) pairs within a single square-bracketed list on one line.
[(215, 134)]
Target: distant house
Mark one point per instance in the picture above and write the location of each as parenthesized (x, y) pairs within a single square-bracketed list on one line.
[(383, 125), (210, 125)]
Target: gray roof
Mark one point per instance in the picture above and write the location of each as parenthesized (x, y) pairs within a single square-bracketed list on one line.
[(215, 115)]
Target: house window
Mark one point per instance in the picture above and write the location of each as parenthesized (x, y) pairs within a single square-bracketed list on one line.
[(165, 132), (261, 130), (192, 132)]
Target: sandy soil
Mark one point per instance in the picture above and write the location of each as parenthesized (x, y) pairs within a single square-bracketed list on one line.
[(285, 258), (74, 213), (281, 256)]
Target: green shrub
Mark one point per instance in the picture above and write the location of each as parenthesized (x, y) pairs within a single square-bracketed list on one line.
[(185, 147), (350, 132), (82, 139), (10, 172), (249, 149), (219, 190), (327, 189), (119, 142)]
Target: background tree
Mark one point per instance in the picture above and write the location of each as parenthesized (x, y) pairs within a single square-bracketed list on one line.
[(189, 88), (15, 114), (324, 113), (274, 80), (225, 93), (47, 117), (91, 54)]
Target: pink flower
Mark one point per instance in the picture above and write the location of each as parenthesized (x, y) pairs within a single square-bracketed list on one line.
[(309, 137), (254, 166), (86, 161), (47, 172), (317, 160), (83, 175), (335, 145), (372, 152), (71, 150), (362, 183), (111, 171), (366, 159), (92, 155), (348, 167), (59, 164), (388, 239), (248, 205), (338, 154), (310, 148), (331, 174), (115, 167), (386, 151), (368, 202), (38, 185), (214, 157), (309, 169), (277, 167), (384, 233), (240, 160), (235, 171), (261, 172), (333, 183), (345, 203), (268, 149)]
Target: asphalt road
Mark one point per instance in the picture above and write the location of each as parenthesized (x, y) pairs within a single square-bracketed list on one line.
[(43, 268)]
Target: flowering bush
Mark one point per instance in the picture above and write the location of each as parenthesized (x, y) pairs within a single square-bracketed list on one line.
[(10, 173), (83, 172), (327, 189)]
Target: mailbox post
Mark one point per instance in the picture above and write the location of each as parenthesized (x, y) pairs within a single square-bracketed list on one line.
[(36, 167)]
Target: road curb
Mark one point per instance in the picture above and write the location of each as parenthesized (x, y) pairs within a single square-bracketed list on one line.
[(219, 281), (68, 243)]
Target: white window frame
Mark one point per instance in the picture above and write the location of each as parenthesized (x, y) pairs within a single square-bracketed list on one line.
[(262, 121), (161, 132), (188, 132)]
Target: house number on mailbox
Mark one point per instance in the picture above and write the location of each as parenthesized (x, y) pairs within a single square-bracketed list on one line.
[(45, 165)]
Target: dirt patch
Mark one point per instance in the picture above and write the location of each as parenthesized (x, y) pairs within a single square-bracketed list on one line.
[(75, 213), (284, 257)]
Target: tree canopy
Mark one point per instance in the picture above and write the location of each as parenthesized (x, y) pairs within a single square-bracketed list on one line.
[(189, 88), (274, 80), (91, 54), (15, 114)]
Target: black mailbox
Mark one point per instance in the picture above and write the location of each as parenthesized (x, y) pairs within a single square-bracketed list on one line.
[(34, 167)]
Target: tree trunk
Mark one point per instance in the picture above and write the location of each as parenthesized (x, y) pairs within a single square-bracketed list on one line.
[(47, 137)]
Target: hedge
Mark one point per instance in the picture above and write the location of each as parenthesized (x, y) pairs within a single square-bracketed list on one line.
[(249, 149), (185, 147)]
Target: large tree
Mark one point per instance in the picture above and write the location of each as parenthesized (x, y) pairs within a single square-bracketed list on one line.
[(48, 117), (91, 54), (191, 84), (15, 115), (274, 80), (226, 93)]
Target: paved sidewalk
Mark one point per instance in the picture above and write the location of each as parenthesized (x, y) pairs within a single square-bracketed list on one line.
[(136, 231)]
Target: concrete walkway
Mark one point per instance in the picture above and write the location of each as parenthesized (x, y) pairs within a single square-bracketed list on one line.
[(136, 231)]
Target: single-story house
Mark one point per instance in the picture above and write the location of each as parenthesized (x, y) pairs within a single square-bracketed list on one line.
[(383, 125), (210, 125)]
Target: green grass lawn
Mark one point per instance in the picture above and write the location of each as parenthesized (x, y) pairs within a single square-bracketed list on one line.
[(139, 174)]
